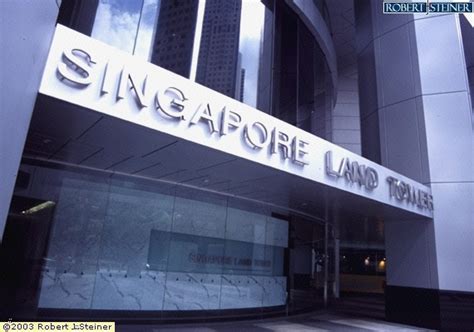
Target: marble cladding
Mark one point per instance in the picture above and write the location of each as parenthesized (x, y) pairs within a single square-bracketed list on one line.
[(109, 226), (192, 291), (66, 290), (78, 223), (211, 220), (252, 291), (276, 233), (100, 248), (128, 228), (199, 218), (153, 290), (118, 291), (245, 226)]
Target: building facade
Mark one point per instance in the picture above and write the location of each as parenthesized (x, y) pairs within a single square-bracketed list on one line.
[(167, 160)]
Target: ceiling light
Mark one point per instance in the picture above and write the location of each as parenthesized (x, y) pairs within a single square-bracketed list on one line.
[(39, 207)]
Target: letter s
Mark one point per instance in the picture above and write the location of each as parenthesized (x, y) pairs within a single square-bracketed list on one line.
[(75, 66)]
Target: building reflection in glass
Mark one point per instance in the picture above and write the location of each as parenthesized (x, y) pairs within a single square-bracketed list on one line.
[(217, 43), (127, 25), (250, 50)]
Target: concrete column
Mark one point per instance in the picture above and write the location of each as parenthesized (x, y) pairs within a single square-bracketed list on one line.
[(345, 124), (27, 28), (415, 106)]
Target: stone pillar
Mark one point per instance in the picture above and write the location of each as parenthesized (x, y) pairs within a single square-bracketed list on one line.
[(27, 28), (416, 119)]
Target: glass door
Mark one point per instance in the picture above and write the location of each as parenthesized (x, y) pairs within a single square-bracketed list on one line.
[(307, 272)]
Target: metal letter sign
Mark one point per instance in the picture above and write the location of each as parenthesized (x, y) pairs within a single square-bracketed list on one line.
[(98, 77)]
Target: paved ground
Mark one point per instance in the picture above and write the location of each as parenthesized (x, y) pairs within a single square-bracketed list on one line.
[(321, 321)]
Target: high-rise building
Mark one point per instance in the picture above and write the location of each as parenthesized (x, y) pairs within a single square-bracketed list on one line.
[(174, 36), (219, 50), (133, 193), (240, 96)]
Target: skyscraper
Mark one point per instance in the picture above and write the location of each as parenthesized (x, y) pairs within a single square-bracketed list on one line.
[(173, 44), (219, 50), (129, 193)]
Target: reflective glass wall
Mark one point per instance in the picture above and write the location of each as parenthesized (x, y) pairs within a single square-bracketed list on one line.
[(84, 241), (214, 42), (120, 244), (258, 52), (78, 239)]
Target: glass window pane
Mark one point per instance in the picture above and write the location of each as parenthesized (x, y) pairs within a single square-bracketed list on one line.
[(116, 23)]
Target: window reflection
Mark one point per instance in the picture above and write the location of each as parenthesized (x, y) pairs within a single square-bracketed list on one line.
[(251, 39), (174, 37), (146, 28), (127, 25), (218, 43), (116, 23), (218, 53), (230, 48), (257, 52)]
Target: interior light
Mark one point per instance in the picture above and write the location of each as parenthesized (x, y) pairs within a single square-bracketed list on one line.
[(39, 207), (382, 265)]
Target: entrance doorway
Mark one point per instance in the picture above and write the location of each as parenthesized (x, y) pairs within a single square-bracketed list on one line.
[(310, 264)]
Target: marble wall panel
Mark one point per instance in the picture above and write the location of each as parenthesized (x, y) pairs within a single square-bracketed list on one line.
[(66, 290), (100, 249), (78, 223), (131, 216), (192, 291), (274, 291), (245, 226), (199, 218), (276, 232), (115, 290), (242, 292)]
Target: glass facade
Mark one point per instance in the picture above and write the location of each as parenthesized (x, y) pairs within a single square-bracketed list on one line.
[(92, 240), (80, 240), (216, 43), (258, 52), (83, 240)]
